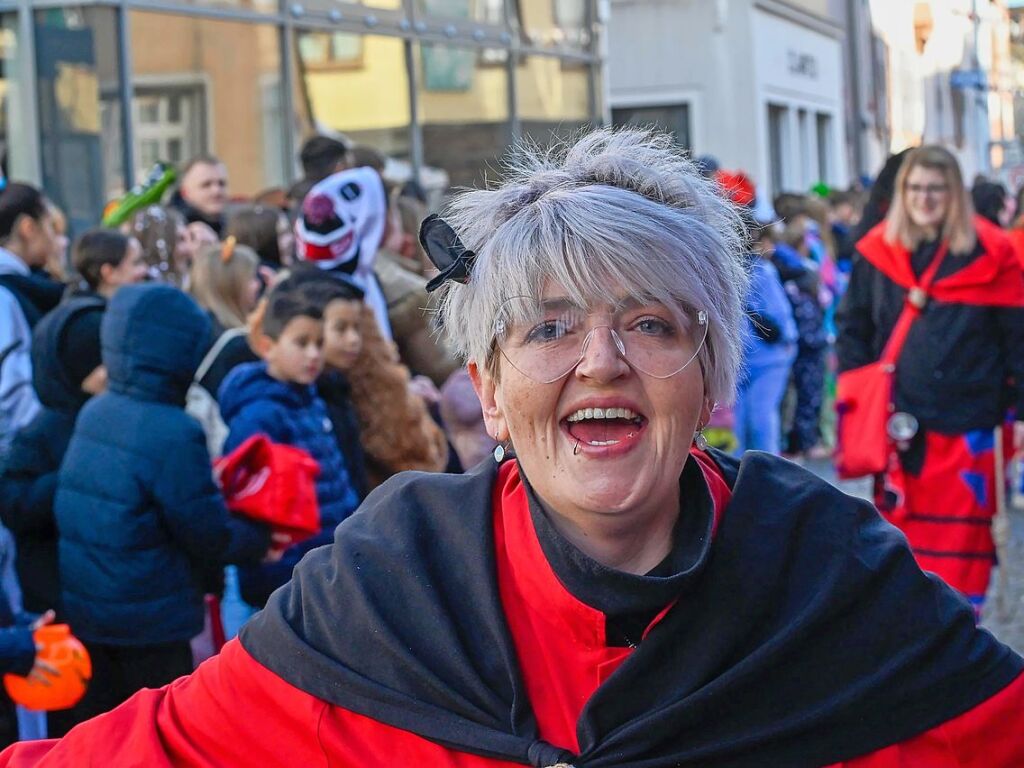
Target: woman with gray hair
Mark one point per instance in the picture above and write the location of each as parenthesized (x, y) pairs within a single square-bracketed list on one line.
[(606, 592)]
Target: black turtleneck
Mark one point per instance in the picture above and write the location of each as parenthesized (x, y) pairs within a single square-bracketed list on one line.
[(629, 601)]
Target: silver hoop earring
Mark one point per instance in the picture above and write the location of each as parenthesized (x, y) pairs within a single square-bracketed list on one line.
[(499, 450), (700, 441)]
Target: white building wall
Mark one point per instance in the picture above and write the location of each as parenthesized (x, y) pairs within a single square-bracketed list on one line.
[(728, 59), (799, 70)]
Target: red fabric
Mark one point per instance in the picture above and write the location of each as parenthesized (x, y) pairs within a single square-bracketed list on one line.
[(946, 510), (1016, 236), (737, 186), (217, 634), (273, 483), (234, 712), (557, 636), (993, 279)]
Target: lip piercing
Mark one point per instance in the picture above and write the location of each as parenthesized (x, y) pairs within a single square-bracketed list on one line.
[(576, 449)]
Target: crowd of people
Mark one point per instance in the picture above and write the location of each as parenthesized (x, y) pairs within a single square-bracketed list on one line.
[(830, 272), (606, 591), (135, 357)]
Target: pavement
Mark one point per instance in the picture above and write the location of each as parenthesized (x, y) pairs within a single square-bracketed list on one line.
[(1003, 614)]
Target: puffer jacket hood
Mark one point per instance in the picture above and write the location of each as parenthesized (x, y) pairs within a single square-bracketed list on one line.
[(51, 379), (153, 337), (250, 382)]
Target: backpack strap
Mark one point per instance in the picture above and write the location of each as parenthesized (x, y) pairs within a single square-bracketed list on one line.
[(215, 350)]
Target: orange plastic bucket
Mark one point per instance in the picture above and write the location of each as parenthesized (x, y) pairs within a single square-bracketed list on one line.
[(58, 647)]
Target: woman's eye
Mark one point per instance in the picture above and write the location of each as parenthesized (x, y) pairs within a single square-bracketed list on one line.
[(654, 326), (551, 330)]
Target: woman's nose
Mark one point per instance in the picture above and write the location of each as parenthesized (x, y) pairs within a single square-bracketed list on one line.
[(602, 355)]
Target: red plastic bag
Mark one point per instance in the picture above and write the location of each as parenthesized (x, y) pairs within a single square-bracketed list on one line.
[(272, 483)]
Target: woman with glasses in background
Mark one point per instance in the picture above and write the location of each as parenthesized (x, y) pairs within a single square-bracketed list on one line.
[(961, 366), (607, 591)]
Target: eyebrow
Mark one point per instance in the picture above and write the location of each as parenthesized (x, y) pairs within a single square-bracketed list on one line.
[(627, 302)]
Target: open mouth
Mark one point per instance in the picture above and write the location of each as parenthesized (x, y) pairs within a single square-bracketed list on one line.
[(604, 428)]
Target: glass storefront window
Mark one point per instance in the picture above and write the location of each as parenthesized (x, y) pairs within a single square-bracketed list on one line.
[(252, 6), (217, 91), (463, 106), (552, 97), (391, 5), (78, 82), (670, 118), (554, 22), (13, 141), (480, 11), (356, 85)]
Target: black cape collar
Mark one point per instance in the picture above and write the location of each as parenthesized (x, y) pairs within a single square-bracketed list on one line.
[(616, 593), (813, 638)]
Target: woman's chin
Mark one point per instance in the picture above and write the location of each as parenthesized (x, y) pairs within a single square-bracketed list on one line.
[(614, 493)]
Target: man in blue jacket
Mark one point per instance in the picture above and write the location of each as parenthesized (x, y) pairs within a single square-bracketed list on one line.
[(138, 512)]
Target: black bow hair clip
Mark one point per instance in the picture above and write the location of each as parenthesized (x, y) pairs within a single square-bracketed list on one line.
[(446, 252)]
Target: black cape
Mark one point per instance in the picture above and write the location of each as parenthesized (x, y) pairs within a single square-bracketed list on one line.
[(811, 637)]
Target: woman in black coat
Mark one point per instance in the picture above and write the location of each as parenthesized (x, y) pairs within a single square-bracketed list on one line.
[(962, 364)]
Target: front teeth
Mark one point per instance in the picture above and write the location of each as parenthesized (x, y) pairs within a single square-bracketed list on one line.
[(602, 413)]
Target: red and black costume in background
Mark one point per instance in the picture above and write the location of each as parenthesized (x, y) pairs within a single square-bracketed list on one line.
[(954, 375), (790, 627)]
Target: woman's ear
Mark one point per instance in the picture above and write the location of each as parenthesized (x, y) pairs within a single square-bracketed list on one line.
[(486, 389), (706, 411)]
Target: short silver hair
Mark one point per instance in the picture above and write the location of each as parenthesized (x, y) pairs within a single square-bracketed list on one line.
[(614, 210)]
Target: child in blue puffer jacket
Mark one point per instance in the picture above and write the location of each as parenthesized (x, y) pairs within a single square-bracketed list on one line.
[(278, 398)]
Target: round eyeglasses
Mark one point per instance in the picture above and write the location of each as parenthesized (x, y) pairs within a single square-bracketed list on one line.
[(546, 340)]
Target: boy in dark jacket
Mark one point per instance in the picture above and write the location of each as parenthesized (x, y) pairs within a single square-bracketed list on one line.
[(138, 512), (66, 372), (342, 303), (278, 398)]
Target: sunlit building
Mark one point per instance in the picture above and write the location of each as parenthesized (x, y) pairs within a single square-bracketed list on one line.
[(92, 95)]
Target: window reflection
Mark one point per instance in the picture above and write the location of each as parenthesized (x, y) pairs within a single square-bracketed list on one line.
[(355, 84), (196, 97), (395, 5), (79, 109), (481, 11), (554, 22), (13, 142), (673, 119), (552, 97), (463, 101), (259, 6)]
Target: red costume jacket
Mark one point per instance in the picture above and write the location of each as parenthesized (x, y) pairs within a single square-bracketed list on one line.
[(234, 711)]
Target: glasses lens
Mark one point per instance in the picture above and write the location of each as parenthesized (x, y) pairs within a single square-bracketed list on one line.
[(661, 341), (546, 340), (542, 340)]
